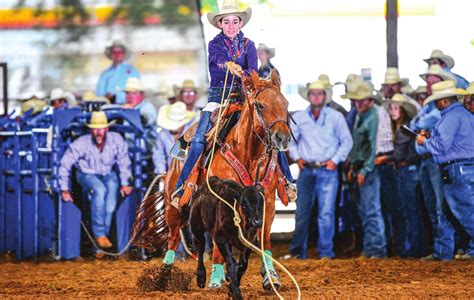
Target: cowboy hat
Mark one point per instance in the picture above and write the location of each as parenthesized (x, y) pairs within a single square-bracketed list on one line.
[(444, 89), (403, 102), (360, 91), (174, 116), (315, 85), (108, 50), (34, 97), (229, 8), (324, 78), (99, 120), (421, 89), (392, 76), (270, 51), (134, 85), (438, 71), (34, 103), (59, 93), (187, 84), (351, 83), (438, 54), (90, 96)]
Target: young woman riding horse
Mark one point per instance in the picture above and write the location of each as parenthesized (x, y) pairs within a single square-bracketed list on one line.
[(231, 52)]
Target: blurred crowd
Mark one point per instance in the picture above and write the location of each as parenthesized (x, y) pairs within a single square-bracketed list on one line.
[(405, 155)]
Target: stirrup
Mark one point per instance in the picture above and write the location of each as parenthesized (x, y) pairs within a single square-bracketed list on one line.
[(291, 191)]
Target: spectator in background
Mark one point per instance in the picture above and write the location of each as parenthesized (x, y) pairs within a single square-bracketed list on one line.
[(351, 84), (430, 175), (446, 62), (405, 159), (323, 140), (94, 155), (35, 104), (363, 175), (189, 93), (393, 84), (172, 119), (135, 99), (452, 146), (420, 94), (112, 81), (264, 54), (469, 99), (59, 98)]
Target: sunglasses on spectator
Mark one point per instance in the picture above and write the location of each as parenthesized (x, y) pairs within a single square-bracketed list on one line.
[(189, 93)]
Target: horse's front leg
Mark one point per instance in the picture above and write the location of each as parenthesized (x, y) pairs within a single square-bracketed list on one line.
[(271, 275)]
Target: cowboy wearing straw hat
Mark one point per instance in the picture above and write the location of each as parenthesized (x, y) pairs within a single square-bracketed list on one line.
[(35, 104), (264, 55), (92, 102), (172, 119), (406, 176), (452, 146), (446, 62), (469, 99), (113, 80), (393, 84), (95, 155), (420, 94), (323, 140), (188, 93), (363, 175), (430, 176)]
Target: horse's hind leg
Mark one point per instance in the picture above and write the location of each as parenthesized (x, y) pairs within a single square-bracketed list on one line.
[(173, 243), (272, 276), (231, 266), (200, 242)]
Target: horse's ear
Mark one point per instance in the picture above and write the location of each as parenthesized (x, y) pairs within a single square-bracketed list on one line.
[(275, 78), (255, 79)]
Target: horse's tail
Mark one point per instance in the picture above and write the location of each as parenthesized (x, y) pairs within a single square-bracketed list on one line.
[(149, 229)]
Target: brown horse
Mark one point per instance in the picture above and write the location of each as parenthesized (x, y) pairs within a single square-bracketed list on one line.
[(261, 131)]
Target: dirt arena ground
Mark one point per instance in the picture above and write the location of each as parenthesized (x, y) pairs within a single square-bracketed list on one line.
[(347, 278)]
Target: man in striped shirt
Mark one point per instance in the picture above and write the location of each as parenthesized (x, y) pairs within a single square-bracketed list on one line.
[(94, 156)]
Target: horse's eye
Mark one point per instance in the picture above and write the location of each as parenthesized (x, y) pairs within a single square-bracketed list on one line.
[(259, 106)]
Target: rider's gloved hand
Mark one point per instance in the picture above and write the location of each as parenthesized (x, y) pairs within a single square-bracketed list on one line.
[(234, 68)]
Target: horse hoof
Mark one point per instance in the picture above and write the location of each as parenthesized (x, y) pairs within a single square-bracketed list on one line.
[(214, 285), (274, 278), (201, 285)]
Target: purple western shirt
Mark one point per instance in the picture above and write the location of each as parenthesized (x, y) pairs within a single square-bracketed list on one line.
[(222, 49), (85, 155)]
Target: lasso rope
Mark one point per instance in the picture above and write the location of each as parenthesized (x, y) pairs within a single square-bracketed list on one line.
[(237, 219)]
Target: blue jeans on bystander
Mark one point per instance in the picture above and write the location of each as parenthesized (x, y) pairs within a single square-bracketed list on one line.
[(321, 185), (104, 189)]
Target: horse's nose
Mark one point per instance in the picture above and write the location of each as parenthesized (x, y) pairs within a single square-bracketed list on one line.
[(281, 140), (257, 223)]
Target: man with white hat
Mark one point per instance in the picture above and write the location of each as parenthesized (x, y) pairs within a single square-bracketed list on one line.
[(393, 84), (94, 155), (113, 80), (172, 119), (264, 54), (189, 93), (446, 62), (452, 146), (59, 98), (420, 94), (431, 183), (363, 175), (323, 140)]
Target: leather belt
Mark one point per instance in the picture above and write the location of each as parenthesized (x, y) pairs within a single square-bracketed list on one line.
[(456, 161), (313, 165), (426, 156)]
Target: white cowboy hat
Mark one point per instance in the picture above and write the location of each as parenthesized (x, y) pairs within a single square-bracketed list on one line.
[(351, 83), (403, 102), (360, 91), (444, 89), (270, 51), (229, 8), (114, 44), (174, 116), (315, 85), (59, 93), (438, 71), (187, 84), (392, 76), (99, 120), (134, 85), (324, 78), (421, 89), (90, 96), (448, 60)]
